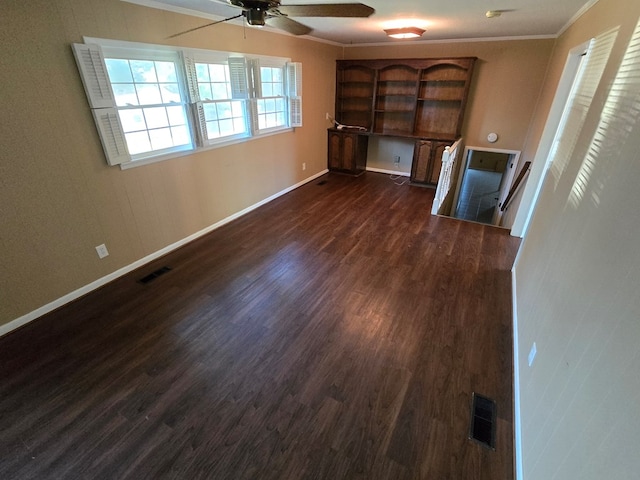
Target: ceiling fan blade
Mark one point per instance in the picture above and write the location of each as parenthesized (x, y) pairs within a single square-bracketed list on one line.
[(288, 25), (327, 10), (205, 26)]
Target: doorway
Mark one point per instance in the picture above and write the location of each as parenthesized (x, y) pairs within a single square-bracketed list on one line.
[(484, 184)]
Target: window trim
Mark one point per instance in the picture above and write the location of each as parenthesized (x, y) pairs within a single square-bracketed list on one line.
[(107, 121)]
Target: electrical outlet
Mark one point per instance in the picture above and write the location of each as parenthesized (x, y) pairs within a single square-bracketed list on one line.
[(304, 166), (102, 251), (396, 161)]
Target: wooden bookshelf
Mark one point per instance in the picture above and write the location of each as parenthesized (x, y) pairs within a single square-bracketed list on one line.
[(423, 99)]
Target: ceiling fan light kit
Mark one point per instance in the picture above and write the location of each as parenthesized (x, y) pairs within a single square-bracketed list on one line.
[(404, 32)]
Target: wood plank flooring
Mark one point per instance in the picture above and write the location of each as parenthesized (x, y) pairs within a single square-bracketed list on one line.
[(335, 333)]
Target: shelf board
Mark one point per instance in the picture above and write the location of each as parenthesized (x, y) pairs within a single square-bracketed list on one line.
[(404, 95), (410, 82), (459, 82), (356, 82), (436, 135), (393, 111), (434, 99), (355, 112)]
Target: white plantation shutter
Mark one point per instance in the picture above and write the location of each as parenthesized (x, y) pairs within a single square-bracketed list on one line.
[(295, 111), (253, 116), (95, 79), (294, 79), (238, 73), (294, 92), (201, 122), (195, 107), (255, 85), (94, 75), (192, 79), (111, 135)]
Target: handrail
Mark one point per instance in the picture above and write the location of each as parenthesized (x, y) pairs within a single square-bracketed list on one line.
[(449, 157), (516, 186)]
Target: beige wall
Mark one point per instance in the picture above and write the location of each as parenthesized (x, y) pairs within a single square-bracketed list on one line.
[(59, 199), (577, 280)]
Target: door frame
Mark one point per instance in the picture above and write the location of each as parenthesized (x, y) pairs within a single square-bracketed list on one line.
[(505, 182)]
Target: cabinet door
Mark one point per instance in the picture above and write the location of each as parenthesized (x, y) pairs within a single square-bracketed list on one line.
[(349, 151), (335, 151), (421, 161)]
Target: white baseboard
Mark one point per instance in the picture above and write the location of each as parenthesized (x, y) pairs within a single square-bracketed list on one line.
[(517, 423), (49, 307), (388, 172)]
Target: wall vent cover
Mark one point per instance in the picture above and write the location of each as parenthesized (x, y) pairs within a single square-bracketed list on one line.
[(153, 275), (483, 421)]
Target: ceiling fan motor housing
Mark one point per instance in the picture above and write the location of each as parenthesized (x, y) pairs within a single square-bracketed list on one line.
[(263, 5), (255, 17)]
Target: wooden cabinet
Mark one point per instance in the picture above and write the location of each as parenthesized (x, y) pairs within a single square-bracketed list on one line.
[(422, 98), (347, 151), (427, 161)]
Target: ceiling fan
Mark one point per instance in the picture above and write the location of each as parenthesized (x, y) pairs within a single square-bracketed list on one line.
[(273, 13)]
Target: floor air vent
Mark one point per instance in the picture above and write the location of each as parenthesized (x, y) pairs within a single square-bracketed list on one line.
[(321, 182), (483, 421), (153, 275)]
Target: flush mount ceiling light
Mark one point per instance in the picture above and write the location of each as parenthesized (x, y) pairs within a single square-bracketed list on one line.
[(493, 13), (404, 32)]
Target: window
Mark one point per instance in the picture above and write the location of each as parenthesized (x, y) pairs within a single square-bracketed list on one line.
[(223, 115), (271, 102), (273, 83), (154, 102), (150, 106), (218, 89)]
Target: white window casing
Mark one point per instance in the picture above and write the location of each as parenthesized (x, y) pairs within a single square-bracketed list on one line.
[(244, 84)]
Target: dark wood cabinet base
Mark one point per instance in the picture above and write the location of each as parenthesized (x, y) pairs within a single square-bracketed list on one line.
[(347, 152)]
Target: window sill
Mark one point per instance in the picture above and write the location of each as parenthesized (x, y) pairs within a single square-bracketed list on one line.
[(184, 153)]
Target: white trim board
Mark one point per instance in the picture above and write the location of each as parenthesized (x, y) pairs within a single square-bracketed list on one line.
[(49, 307), (517, 423), (388, 172)]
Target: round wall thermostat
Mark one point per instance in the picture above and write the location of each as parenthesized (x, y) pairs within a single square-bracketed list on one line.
[(492, 137)]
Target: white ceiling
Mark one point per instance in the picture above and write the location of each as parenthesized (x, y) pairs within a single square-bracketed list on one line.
[(448, 20)]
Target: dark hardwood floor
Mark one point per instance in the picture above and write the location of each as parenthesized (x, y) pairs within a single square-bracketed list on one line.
[(335, 333)]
